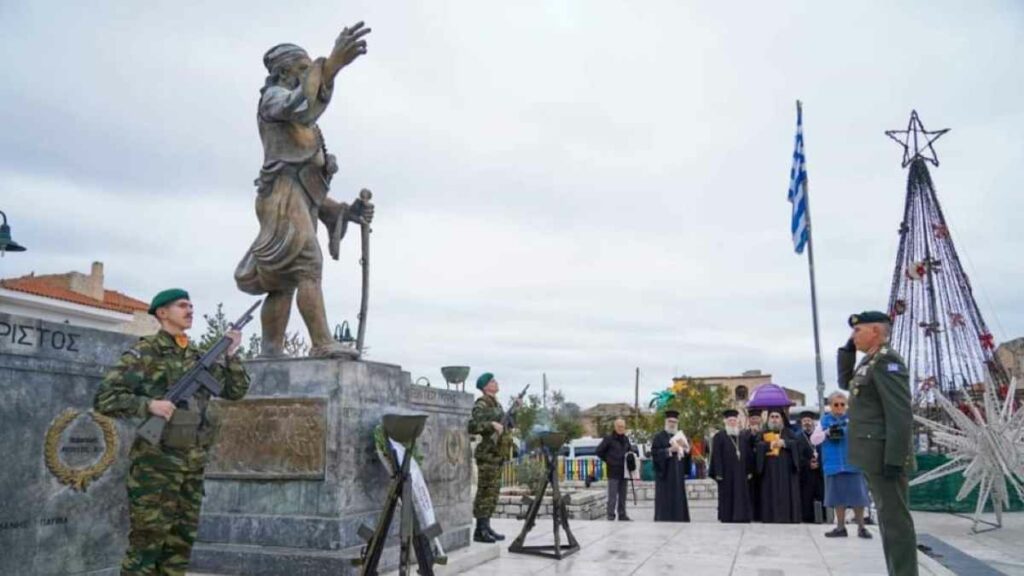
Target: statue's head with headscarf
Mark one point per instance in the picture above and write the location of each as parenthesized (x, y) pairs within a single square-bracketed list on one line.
[(286, 64)]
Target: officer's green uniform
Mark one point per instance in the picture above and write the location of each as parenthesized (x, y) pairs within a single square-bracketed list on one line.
[(880, 443), (165, 483)]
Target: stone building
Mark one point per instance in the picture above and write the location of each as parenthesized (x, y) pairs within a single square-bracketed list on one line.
[(593, 417), (76, 299), (1011, 355)]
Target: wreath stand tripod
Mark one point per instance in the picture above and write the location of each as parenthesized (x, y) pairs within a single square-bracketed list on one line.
[(550, 444)]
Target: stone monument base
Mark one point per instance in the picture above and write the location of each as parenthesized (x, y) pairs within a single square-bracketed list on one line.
[(294, 473)]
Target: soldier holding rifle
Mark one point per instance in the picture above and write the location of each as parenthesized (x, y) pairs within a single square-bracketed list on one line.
[(490, 422), (165, 483)]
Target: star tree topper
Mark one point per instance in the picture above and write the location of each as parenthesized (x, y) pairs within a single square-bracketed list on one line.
[(916, 141)]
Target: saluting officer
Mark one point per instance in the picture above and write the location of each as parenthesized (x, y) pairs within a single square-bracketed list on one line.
[(165, 484), (880, 430)]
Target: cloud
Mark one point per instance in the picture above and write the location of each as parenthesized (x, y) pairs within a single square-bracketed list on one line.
[(576, 188)]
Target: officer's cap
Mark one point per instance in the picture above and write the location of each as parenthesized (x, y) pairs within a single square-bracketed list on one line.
[(166, 297), (871, 317)]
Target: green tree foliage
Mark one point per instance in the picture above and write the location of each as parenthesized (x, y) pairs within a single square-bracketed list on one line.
[(217, 326), (643, 427), (527, 416), (700, 406), (565, 416)]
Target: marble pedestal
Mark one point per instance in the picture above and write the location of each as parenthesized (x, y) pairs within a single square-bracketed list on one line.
[(295, 473)]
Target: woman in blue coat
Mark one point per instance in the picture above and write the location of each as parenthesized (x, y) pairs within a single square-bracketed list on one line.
[(845, 486)]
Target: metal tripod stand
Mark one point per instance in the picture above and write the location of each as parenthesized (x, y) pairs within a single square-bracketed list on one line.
[(404, 429), (550, 443)]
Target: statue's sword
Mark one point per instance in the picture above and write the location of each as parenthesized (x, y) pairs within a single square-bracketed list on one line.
[(364, 195)]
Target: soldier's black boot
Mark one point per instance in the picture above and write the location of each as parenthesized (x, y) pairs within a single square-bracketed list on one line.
[(481, 534), (497, 537)]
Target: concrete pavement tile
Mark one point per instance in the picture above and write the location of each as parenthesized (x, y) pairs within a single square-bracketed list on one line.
[(515, 564), (591, 568), (660, 566), (777, 570)]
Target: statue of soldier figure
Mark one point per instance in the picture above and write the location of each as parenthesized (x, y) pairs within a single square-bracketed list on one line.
[(285, 259)]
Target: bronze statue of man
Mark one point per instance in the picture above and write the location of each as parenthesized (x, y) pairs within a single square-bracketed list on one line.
[(285, 260)]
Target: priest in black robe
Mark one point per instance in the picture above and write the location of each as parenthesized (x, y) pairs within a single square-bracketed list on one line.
[(732, 466), (812, 478), (778, 461), (670, 451), (750, 436)]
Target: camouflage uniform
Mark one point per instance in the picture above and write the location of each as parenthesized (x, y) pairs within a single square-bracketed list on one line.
[(490, 453), (165, 484)]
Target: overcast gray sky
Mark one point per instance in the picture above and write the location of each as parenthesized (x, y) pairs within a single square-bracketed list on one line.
[(577, 188)]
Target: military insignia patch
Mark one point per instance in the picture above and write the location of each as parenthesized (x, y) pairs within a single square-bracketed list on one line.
[(894, 367)]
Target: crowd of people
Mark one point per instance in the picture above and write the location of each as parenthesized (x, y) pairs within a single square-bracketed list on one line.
[(777, 474), (768, 471)]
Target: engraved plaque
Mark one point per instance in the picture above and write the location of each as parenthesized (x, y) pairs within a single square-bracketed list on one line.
[(270, 439)]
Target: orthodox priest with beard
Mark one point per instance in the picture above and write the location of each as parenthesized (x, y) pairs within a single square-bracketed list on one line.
[(732, 465), (778, 462), (670, 451), (749, 438)]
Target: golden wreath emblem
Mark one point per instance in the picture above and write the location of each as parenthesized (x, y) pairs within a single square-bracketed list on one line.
[(454, 446), (79, 478)]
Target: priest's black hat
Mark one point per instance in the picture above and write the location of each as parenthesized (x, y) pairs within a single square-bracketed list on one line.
[(672, 414), (730, 413), (777, 410), (809, 414)]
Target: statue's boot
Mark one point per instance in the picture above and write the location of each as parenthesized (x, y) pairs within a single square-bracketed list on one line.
[(333, 350)]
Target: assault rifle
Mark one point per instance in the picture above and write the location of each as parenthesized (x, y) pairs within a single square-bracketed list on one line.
[(508, 420), (196, 378)]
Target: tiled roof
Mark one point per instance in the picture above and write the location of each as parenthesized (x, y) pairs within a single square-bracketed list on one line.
[(48, 288)]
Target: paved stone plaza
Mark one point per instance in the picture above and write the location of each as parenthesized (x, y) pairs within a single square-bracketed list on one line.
[(707, 548), (694, 549)]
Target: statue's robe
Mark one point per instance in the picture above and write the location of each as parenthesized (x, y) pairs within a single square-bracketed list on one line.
[(291, 189)]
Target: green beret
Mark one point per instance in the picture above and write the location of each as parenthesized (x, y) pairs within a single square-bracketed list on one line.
[(871, 317), (484, 380), (166, 297)]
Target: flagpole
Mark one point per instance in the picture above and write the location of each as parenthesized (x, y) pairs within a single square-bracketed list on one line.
[(814, 291)]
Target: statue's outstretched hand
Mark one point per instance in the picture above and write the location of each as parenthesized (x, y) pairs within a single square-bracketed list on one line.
[(350, 44)]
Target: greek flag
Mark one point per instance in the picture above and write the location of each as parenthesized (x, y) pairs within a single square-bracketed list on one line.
[(798, 188)]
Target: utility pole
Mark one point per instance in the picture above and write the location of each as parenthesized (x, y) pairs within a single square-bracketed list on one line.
[(636, 398)]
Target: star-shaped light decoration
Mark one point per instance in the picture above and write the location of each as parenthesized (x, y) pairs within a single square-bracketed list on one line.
[(916, 141), (985, 447)]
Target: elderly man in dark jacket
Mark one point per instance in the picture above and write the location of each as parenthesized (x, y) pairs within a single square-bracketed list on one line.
[(612, 450)]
